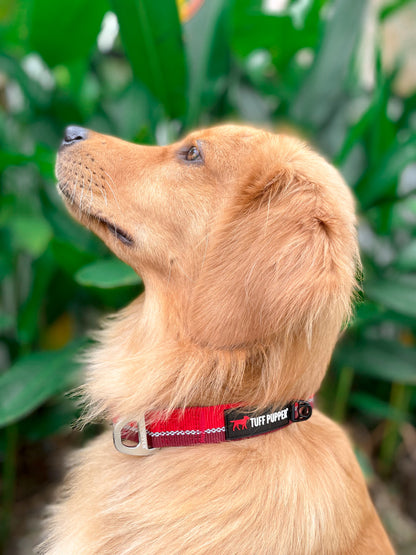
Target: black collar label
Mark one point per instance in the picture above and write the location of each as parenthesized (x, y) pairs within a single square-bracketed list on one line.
[(240, 423)]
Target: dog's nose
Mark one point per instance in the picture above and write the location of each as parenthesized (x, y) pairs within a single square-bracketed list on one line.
[(74, 134)]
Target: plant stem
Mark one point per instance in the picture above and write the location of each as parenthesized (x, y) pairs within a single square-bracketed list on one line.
[(342, 393), (399, 399)]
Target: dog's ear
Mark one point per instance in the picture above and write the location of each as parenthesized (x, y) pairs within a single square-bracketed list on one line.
[(282, 257)]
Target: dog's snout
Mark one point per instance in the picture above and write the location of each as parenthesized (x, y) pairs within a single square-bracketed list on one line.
[(74, 134)]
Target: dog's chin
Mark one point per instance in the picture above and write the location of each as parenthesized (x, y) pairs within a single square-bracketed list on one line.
[(97, 223)]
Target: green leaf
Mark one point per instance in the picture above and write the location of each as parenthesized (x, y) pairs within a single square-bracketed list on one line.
[(356, 132), (35, 378), (70, 257), (324, 84), (384, 360), (367, 313), (392, 7), (282, 35), (30, 313), (377, 408), (50, 419), (7, 321), (131, 111), (208, 56), (406, 259), (66, 30), (151, 35), (30, 234), (251, 105), (31, 89), (6, 266), (107, 274), (383, 180), (398, 295), (43, 158)]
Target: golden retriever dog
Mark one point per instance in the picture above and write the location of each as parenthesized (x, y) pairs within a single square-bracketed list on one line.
[(246, 243)]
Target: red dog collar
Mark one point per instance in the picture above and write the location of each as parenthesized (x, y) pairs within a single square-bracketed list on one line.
[(195, 425)]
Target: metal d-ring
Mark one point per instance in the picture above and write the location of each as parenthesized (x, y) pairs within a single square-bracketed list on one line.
[(139, 450)]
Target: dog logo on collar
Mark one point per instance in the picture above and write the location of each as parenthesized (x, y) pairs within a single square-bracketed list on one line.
[(242, 422)]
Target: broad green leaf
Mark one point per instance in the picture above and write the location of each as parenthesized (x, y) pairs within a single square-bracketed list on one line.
[(132, 110), (208, 56), (6, 265), (6, 321), (274, 33), (29, 317), (30, 88), (43, 158), (49, 419), (398, 295), (370, 405), (12, 159), (7, 11), (392, 7), (151, 35), (66, 30), (282, 34), (383, 360), (383, 132), (250, 104), (357, 130), (107, 274), (324, 84), (406, 259), (382, 182), (70, 257), (30, 234), (35, 378), (366, 313)]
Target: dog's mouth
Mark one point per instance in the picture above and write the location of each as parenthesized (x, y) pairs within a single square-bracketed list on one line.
[(115, 230)]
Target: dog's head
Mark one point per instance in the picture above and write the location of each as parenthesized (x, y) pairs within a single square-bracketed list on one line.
[(252, 234)]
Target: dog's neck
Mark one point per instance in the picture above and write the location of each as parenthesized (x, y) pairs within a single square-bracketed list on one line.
[(139, 346)]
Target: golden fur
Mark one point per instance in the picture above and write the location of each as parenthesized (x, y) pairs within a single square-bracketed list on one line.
[(248, 258)]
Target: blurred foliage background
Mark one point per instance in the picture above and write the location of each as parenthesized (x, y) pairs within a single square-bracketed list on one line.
[(341, 73)]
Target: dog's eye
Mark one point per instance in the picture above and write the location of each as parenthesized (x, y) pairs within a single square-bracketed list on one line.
[(192, 154)]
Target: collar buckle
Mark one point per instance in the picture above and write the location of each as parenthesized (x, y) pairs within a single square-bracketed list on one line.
[(139, 450), (300, 410)]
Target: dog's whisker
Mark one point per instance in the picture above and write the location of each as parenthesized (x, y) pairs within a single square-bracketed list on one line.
[(103, 194), (80, 199), (91, 199), (82, 187), (90, 182), (111, 189), (74, 189)]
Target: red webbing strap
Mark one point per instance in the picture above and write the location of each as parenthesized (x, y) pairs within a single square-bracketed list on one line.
[(189, 426)]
